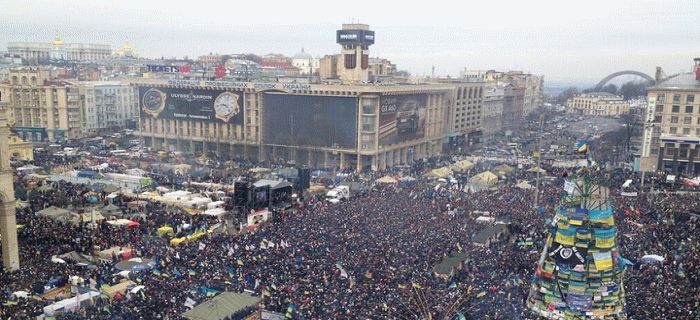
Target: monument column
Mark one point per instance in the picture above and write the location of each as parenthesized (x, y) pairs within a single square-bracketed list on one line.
[(8, 222)]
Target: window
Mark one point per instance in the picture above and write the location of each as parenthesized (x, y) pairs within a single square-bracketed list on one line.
[(697, 132), (676, 98), (661, 97), (686, 131), (687, 120), (676, 109), (654, 151), (674, 119), (690, 98), (688, 109), (659, 108), (673, 130), (659, 118)]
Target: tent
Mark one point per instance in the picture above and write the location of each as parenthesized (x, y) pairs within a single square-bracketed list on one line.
[(486, 178), (260, 170), (503, 169), (536, 170), (63, 215), (69, 304), (443, 172), (462, 166), (652, 258), (222, 306), (120, 222), (523, 185), (386, 180), (165, 230), (121, 287), (216, 212), (448, 265)]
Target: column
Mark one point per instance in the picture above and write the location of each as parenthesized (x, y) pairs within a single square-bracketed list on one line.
[(8, 230), (660, 159), (358, 167), (404, 155), (690, 170), (309, 161), (342, 160), (325, 160), (676, 152)]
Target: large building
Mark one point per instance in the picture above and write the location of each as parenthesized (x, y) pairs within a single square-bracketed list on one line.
[(492, 108), (347, 126), (527, 88), (107, 105), (598, 104), (355, 39), (44, 52), (40, 107), (465, 112), (671, 140)]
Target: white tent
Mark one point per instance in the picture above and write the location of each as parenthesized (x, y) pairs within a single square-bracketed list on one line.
[(523, 185), (69, 304), (536, 169), (215, 212), (386, 180), (443, 172)]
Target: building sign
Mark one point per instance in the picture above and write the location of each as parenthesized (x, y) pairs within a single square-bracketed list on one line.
[(157, 68), (191, 104), (242, 85), (306, 120), (402, 118), (355, 37)]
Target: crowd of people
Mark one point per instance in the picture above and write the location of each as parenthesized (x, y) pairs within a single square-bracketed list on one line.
[(368, 258)]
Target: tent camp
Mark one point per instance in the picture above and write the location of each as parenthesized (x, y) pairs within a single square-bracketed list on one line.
[(486, 178), (222, 306), (462, 166), (121, 287), (443, 172)]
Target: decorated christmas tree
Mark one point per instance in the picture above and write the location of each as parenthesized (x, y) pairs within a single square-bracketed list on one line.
[(580, 271)]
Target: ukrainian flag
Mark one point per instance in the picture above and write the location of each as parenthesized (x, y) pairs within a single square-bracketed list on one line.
[(605, 238), (603, 260), (582, 146), (604, 216), (565, 236)]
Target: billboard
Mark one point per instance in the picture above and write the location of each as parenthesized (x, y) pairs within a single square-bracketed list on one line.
[(355, 37), (304, 120), (402, 118), (223, 106)]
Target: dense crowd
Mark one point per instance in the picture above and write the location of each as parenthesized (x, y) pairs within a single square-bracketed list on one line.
[(368, 258)]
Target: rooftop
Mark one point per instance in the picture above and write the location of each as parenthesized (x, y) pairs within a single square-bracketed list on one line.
[(683, 81)]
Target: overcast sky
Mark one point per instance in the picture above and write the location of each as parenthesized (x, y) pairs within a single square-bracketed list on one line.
[(565, 41)]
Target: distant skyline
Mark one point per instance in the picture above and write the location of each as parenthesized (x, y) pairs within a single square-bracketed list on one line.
[(566, 42)]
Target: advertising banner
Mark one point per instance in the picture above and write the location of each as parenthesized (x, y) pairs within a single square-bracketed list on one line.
[(191, 104), (305, 120), (402, 118)]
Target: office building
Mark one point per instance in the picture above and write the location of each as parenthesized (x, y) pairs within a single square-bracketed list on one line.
[(107, 106), (598, 104), (41, 108), (672, 125)]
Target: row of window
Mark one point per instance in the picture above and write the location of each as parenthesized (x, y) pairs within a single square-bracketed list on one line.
[(677, 98)]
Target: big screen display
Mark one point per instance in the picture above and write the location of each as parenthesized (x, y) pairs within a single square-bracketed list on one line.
[(402, 118), (304, 120), (191, 104)]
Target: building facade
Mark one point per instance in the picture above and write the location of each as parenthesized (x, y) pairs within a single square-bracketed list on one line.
[(671, 140), (41, 108), (41, 53), (598, 104), (20, 149), (107, 105), (332, 126), (492, 108)]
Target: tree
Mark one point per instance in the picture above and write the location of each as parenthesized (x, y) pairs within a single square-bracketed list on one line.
[(633, 89), (566, 95), (610, 88)]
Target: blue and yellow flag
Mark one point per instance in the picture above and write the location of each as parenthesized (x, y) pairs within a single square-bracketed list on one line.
[(582, 146)]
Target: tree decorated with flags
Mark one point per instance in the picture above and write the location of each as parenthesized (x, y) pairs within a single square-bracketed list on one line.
[(580, 271)]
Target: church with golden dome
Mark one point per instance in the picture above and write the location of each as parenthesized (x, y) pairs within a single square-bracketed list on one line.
[(126, 51)]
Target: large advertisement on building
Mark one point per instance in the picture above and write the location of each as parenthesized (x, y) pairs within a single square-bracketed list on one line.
[(304, 120), (402, 118), (191, 104)]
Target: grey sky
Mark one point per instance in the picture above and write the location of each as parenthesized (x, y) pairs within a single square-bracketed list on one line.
[(565, 41)]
